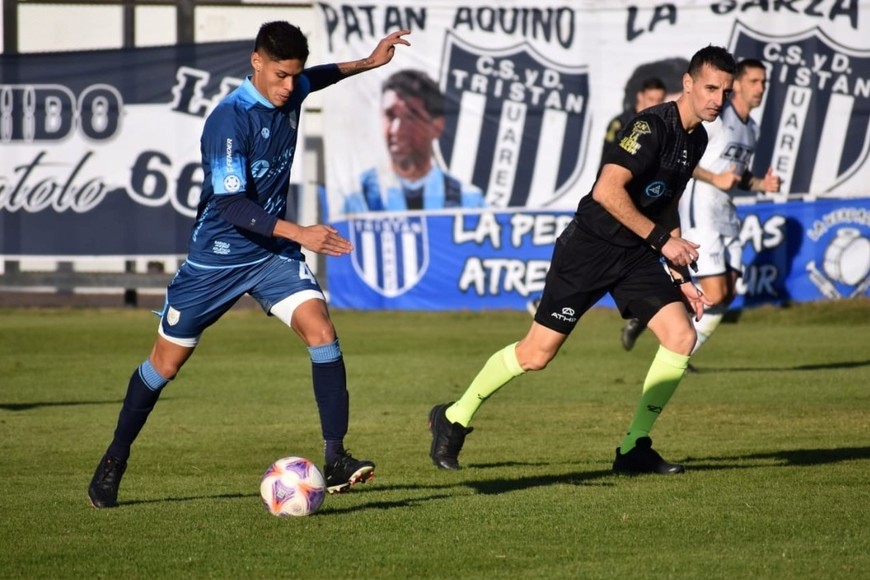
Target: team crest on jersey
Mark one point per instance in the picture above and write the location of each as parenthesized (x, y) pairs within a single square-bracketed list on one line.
[(629, 142), (817, 100), (515, 122), (390, 254), (842, 267)]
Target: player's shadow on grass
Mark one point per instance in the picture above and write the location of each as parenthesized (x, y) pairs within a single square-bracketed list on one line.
[(810, 367), (32, 406), (122, 503), (504, 485), (42, 404), (783, 458)]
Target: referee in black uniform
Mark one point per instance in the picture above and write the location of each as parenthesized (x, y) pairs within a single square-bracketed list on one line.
[(624, 240)]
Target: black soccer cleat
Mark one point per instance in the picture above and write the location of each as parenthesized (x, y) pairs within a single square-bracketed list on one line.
[(632, 329), (644, 459), (103, 491), (346, 471), (447, 438)]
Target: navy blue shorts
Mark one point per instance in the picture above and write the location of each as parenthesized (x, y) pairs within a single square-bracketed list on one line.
[(198, 296)]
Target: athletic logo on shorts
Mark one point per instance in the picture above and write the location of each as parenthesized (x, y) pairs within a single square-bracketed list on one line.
[(515, 122), (816, 111), (390, 255)]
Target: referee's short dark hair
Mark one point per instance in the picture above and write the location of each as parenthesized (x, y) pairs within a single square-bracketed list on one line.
[(653, 84), (714, 56)]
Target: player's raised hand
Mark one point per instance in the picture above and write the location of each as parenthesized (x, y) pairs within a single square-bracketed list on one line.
[(323, 239), (386, 48), (771, 181)]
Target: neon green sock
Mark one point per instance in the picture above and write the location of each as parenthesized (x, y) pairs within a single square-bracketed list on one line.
[(664, 375), (496, 373)]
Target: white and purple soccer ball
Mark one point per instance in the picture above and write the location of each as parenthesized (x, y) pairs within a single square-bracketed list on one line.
[(292, 486)]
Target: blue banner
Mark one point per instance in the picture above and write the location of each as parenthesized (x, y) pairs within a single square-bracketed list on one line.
[(490, 260), (99, 150)]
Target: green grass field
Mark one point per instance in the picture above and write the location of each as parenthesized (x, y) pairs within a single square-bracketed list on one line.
[(774, 433)]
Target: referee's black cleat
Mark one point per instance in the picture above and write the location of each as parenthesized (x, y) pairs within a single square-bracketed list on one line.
[(447, 438), (347, 471), (103, 491), (644, 459), (632, 329)]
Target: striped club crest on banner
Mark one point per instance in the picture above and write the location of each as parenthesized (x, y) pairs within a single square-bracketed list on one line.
[(390, 254), (817, 104), (516, 123)]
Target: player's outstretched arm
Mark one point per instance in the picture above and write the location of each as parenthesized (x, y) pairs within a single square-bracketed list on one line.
[(724, 181), (381, 55), (321, 239), (770, 182)]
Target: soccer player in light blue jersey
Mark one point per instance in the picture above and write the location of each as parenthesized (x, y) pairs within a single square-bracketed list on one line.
[(412, 118), (240, 244)]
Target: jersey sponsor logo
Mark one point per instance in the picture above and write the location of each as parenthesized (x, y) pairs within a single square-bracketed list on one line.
[(516, 123), (232, 183), (655, 189), (390, 255), (737, 153), (816, 111), (220, 248), (629, 142), (259, 168)]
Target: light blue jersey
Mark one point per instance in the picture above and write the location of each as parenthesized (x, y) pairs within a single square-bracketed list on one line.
[(247, 147), (384, 191)]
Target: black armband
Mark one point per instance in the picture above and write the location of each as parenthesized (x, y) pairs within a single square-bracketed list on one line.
[(244, 213), (745, 182), (658, 237)]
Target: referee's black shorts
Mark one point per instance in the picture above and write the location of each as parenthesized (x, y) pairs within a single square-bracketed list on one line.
[(585, 267)]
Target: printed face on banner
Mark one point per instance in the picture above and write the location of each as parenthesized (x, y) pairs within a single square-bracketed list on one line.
[(816, 111)]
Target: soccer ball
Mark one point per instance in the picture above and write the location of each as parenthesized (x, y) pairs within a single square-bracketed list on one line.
[(292, 486)]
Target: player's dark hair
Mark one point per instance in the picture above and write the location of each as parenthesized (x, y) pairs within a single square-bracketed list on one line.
[(653, 84), (714, 56), (669, 70), (416, 83), (746, 64), (281, 40)]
